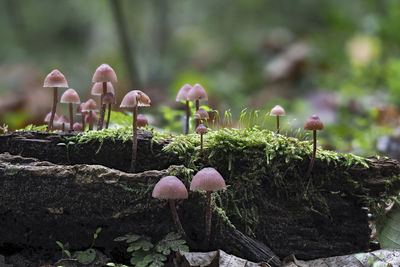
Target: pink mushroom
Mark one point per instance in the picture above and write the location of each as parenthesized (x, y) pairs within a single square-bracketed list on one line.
[(171, 188), (54, 79), (109, 99), (277, 111), (313, 124), (63, 120), (103, 74), (71, 97), (142, 120), (209, 180), (82, 114), (183, 96), (90, 108), (201, 129), (196, 94)]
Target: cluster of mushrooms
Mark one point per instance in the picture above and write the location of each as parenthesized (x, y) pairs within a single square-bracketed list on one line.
[(103, 78), (171, 188)]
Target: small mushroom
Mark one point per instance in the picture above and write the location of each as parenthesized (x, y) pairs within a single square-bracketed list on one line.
[(313, 124), (71, 97), (63, 120), (82, 114), (90, 108), (196, 94), (91, 118), (209, 180), (103, 74), (77, 127), (48, 116), (132, 100), (109, 99), (142, 120), (201, 129), (54, 79), (97, 88), (277, 111), (201, 115), (171, 188), (183, 96)]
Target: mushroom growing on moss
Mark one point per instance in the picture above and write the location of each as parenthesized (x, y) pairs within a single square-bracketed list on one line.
[(54, 79), (109, 99), (196, 94), (201, 115), (171, 188), (103, 74), (133, 100), (277, 111), (90, 108), (209, 180), (183, 96), (201, 129), (70, 97), (313, 124)]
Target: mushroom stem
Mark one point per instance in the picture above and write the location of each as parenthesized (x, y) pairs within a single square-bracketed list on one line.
[(102, 108), (208, 215), (63, 127), (197, 108), (90, 121), (201, 143), (53, 109), (277, 123), (108, 116), (187, 117), (83, 121), (313, 155), (176, 217), (71, 117), (134, 141)]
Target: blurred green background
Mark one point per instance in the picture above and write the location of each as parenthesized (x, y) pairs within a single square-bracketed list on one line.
[(339, 59)]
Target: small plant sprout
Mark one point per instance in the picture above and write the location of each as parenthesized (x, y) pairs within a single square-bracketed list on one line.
[(81, 113), (90, 108), (209, 180), (277, 111), (62, 121), (201, 129), (70, 97), (142, 120), (109, 99), (171, 188), (133, 100), (313, 124), (196, 94), (54, 79), (77, 127), (183, 96), (103, 74)]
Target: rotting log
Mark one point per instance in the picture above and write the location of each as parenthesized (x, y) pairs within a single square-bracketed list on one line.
[(42, 203), (267, 201)]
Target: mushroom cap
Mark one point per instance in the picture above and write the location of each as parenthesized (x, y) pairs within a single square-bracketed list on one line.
[(77, 127), (97, 88), (79, 108), (143, 100), (183, 93), (208, 179), (197, 93), (142, 120), (313, 123), (90, 105), (170, 187), (135, 98), (47, 118), (109, 98), (201, 114), (95, 119), (63, 119), (55, 79), (104, 73), (70, 96), (201, 129), (277, 111)]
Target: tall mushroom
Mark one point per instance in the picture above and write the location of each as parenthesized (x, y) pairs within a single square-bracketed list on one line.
[(54, 79), (196, 94), (313, 124), (90, 107), (103, 74), (277, 111), (133, 100), (171, 188), (70, 97), (209, 180), (201, 129), (109, 99), (183, 96)]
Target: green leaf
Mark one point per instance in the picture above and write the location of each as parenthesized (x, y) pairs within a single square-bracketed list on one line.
[(183, 248), (60, 244), (98, 230), (87, 256), (67, 253), (389, 233), (61, 144), (95, 236)]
